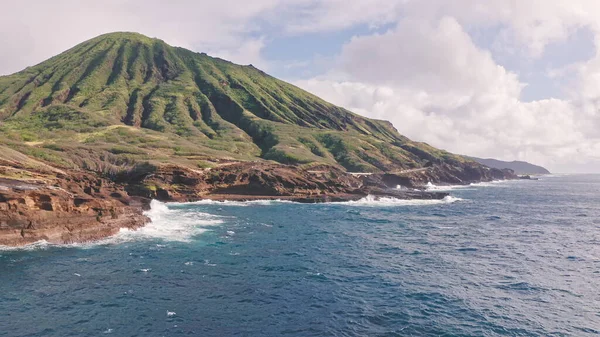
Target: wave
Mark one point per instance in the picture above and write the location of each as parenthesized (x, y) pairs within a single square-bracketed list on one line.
[(180, 224), (260, 202), (432, 187), (393, 202), (43, 245), (38, 245), (368, 200), (166, 224), (552, 175), (171, 224), (493, 183)]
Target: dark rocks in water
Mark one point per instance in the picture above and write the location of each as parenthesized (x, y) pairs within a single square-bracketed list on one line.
[(528, 177)]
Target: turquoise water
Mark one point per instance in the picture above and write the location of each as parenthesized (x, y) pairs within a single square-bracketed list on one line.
[(519, 258)]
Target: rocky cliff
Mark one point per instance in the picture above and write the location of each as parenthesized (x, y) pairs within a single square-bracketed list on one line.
[(77, 206), (88, 209)]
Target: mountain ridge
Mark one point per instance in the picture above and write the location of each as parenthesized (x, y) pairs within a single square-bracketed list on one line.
[(127, 79), (519, 167)]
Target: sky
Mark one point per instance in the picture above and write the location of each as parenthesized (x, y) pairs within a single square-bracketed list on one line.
[(506, 79)]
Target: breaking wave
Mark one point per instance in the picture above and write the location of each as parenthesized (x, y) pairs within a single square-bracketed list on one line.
[(432, 187), (366, 201), (166, 224), (42, 244), (171, 224), (494, 183), (180, 223), (372, 201), (261, 202)]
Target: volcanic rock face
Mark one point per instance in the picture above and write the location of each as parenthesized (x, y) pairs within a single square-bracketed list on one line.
[(447, 174), (76, 206), (31, 212), (174, 183), (254, 180)]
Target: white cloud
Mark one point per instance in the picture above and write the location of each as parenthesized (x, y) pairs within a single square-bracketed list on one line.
[(435, 85), (305, 16), (248, 52), (426, 74), (436, 58), (42, 29), (526, 24)]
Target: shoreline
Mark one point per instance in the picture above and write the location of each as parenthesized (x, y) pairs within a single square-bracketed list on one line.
[(82, 206), (127, 234), (56, 220), (52, 216)]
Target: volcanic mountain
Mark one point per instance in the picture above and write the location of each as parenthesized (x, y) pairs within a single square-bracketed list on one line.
[(90, 135), (130, 98)]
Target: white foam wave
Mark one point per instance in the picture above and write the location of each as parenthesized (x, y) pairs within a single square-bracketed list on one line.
[(432, 187), (490, 183), (494, 183), (261, 202), (551, 175), (181, 224), (392, 202), (42, 244), (170, 224), (166, 224)]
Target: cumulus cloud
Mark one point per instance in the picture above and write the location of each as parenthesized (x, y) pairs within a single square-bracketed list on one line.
[(309, 16), (436, 85), (34, 32), (426, 74)]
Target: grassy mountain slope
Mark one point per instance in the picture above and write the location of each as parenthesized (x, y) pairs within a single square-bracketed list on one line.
[(520, 167), (123, 98)]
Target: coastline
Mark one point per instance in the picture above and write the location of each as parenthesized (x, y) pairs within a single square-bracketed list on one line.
[(80, 206)]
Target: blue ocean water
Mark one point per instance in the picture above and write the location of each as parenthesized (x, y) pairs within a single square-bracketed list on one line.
[(518, 258)]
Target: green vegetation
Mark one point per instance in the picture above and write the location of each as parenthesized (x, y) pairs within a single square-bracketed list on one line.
[(123, 98)]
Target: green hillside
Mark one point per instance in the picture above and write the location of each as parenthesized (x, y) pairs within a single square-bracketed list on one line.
[(123, 98)]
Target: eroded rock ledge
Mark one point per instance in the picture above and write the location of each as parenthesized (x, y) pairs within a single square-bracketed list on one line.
[(31, 211), (78, 206)]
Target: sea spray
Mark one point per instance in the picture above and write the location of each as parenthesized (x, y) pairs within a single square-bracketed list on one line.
[(495, 183), (260, 202), (166, 224), (372, 201), (172, 224)]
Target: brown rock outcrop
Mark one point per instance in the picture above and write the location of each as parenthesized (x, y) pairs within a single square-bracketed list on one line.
[(76, 206), (259, 180), (31, 212), (440, 174)]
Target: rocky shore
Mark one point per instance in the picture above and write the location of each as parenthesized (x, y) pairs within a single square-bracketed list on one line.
[(76, 206), (31, 211)]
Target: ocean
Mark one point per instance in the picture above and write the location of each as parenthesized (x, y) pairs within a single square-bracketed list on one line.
[(514, 258)]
